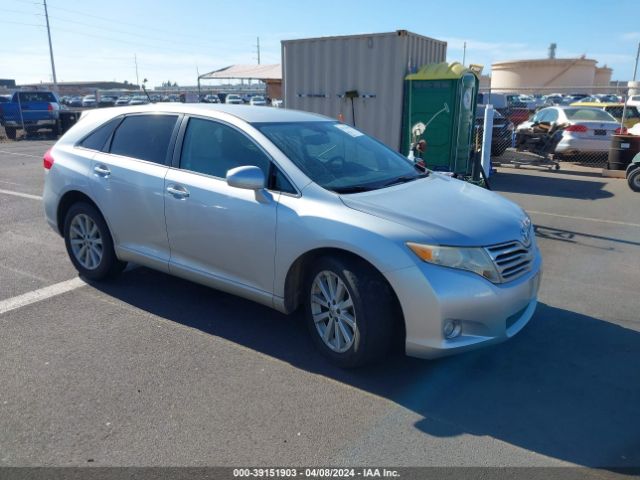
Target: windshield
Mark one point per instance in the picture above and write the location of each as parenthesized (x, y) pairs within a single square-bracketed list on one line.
[(588, 114), (339, 157)]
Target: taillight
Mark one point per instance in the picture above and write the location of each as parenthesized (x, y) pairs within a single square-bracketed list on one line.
[(621, 131), (50, 107), (47, 160), (576, 128)]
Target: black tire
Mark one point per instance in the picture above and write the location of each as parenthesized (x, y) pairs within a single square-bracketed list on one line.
[(109, 266), (11, 132), (56, 131), (374, 307), (633, 179)]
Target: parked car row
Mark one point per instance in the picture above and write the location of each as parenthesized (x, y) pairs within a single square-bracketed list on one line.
[(110, 100)]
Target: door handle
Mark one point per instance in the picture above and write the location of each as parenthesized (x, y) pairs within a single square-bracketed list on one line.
[(102, 170), (177, 191)]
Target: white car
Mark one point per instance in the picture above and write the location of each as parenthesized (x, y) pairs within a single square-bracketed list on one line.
[(634, 100), (588, 129), (635, 130), (258, 101), (89, 101), (233, 98)]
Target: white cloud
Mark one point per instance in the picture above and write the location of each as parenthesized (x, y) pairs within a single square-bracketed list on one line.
[(630, 36)]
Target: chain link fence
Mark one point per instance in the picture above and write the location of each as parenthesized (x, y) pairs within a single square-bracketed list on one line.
[(545, 127)]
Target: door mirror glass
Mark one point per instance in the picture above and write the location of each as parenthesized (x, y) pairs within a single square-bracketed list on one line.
[(247, 177)]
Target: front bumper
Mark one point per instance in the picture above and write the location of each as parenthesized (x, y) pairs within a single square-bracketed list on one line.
[(488, 313)]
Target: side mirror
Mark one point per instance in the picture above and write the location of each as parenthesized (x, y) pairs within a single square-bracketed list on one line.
[(247, 177)]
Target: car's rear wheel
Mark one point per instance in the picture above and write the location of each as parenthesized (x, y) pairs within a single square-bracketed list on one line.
[(349, 311), (634, 179), (89, 243)]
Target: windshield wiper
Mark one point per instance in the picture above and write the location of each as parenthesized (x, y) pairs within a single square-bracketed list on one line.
[(404, 179)]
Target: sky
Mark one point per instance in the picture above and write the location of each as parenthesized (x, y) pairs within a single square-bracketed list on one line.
[(174, 40)]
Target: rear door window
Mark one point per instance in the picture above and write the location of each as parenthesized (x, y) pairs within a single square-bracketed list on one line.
[(145, 137)]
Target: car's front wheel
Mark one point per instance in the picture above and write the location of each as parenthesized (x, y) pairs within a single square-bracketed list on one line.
[(349, 311), (89, 243)]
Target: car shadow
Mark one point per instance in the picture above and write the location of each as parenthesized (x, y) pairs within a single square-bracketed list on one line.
[(568, 386), (548, 186)]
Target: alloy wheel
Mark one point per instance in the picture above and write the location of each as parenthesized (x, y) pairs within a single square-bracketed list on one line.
[(333, 311), (86, 241)]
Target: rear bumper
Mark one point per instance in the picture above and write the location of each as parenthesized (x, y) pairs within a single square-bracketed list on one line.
[(31, 123), (570, 144)]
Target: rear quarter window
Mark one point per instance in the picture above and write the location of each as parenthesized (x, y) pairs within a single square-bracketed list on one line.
[(97, 139), (145, 137)]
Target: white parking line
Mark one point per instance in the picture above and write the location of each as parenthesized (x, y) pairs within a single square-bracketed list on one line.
[(10, 183), (40, 294), (615, 222), (20, 194), (20, 154)]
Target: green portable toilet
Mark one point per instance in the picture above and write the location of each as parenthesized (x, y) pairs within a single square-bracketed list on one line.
[(440, 107)]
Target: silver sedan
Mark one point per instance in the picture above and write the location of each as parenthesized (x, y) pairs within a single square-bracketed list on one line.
[(293, 210), (585, 129)]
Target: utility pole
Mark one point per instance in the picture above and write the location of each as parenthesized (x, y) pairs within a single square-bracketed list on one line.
[(258, 46), (635, 68), (464, 53), (135, 59), (53, 65)]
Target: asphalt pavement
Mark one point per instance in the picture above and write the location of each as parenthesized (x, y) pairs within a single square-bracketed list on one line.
[(151, 370)]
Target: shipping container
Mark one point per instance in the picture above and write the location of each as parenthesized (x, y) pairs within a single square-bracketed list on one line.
[(357, 78)]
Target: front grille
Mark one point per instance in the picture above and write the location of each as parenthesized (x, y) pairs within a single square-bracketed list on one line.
[(512, 259)]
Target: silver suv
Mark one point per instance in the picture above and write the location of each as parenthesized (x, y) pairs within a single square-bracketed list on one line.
[(292, 210)]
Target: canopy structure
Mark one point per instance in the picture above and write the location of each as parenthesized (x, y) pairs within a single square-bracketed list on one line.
[(269, 74), (246, 72)]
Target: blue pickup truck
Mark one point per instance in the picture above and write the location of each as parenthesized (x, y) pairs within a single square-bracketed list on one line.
[(30, 111)]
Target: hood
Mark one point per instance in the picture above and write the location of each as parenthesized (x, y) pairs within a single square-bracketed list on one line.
[(445, 210)]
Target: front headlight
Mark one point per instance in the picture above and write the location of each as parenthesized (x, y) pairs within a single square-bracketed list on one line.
[(474, 260)]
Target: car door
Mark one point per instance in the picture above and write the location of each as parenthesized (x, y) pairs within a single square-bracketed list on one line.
[(128, 186), (218, 234)]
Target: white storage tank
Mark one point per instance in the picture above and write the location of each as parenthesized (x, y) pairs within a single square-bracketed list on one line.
[(544, 75), (603, 77), (319, 73)]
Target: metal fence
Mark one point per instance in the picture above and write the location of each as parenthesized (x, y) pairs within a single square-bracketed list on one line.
[(549, 126)]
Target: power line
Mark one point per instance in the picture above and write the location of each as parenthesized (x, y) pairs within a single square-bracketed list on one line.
[(155, 38), (164, 31), (22, 23)]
